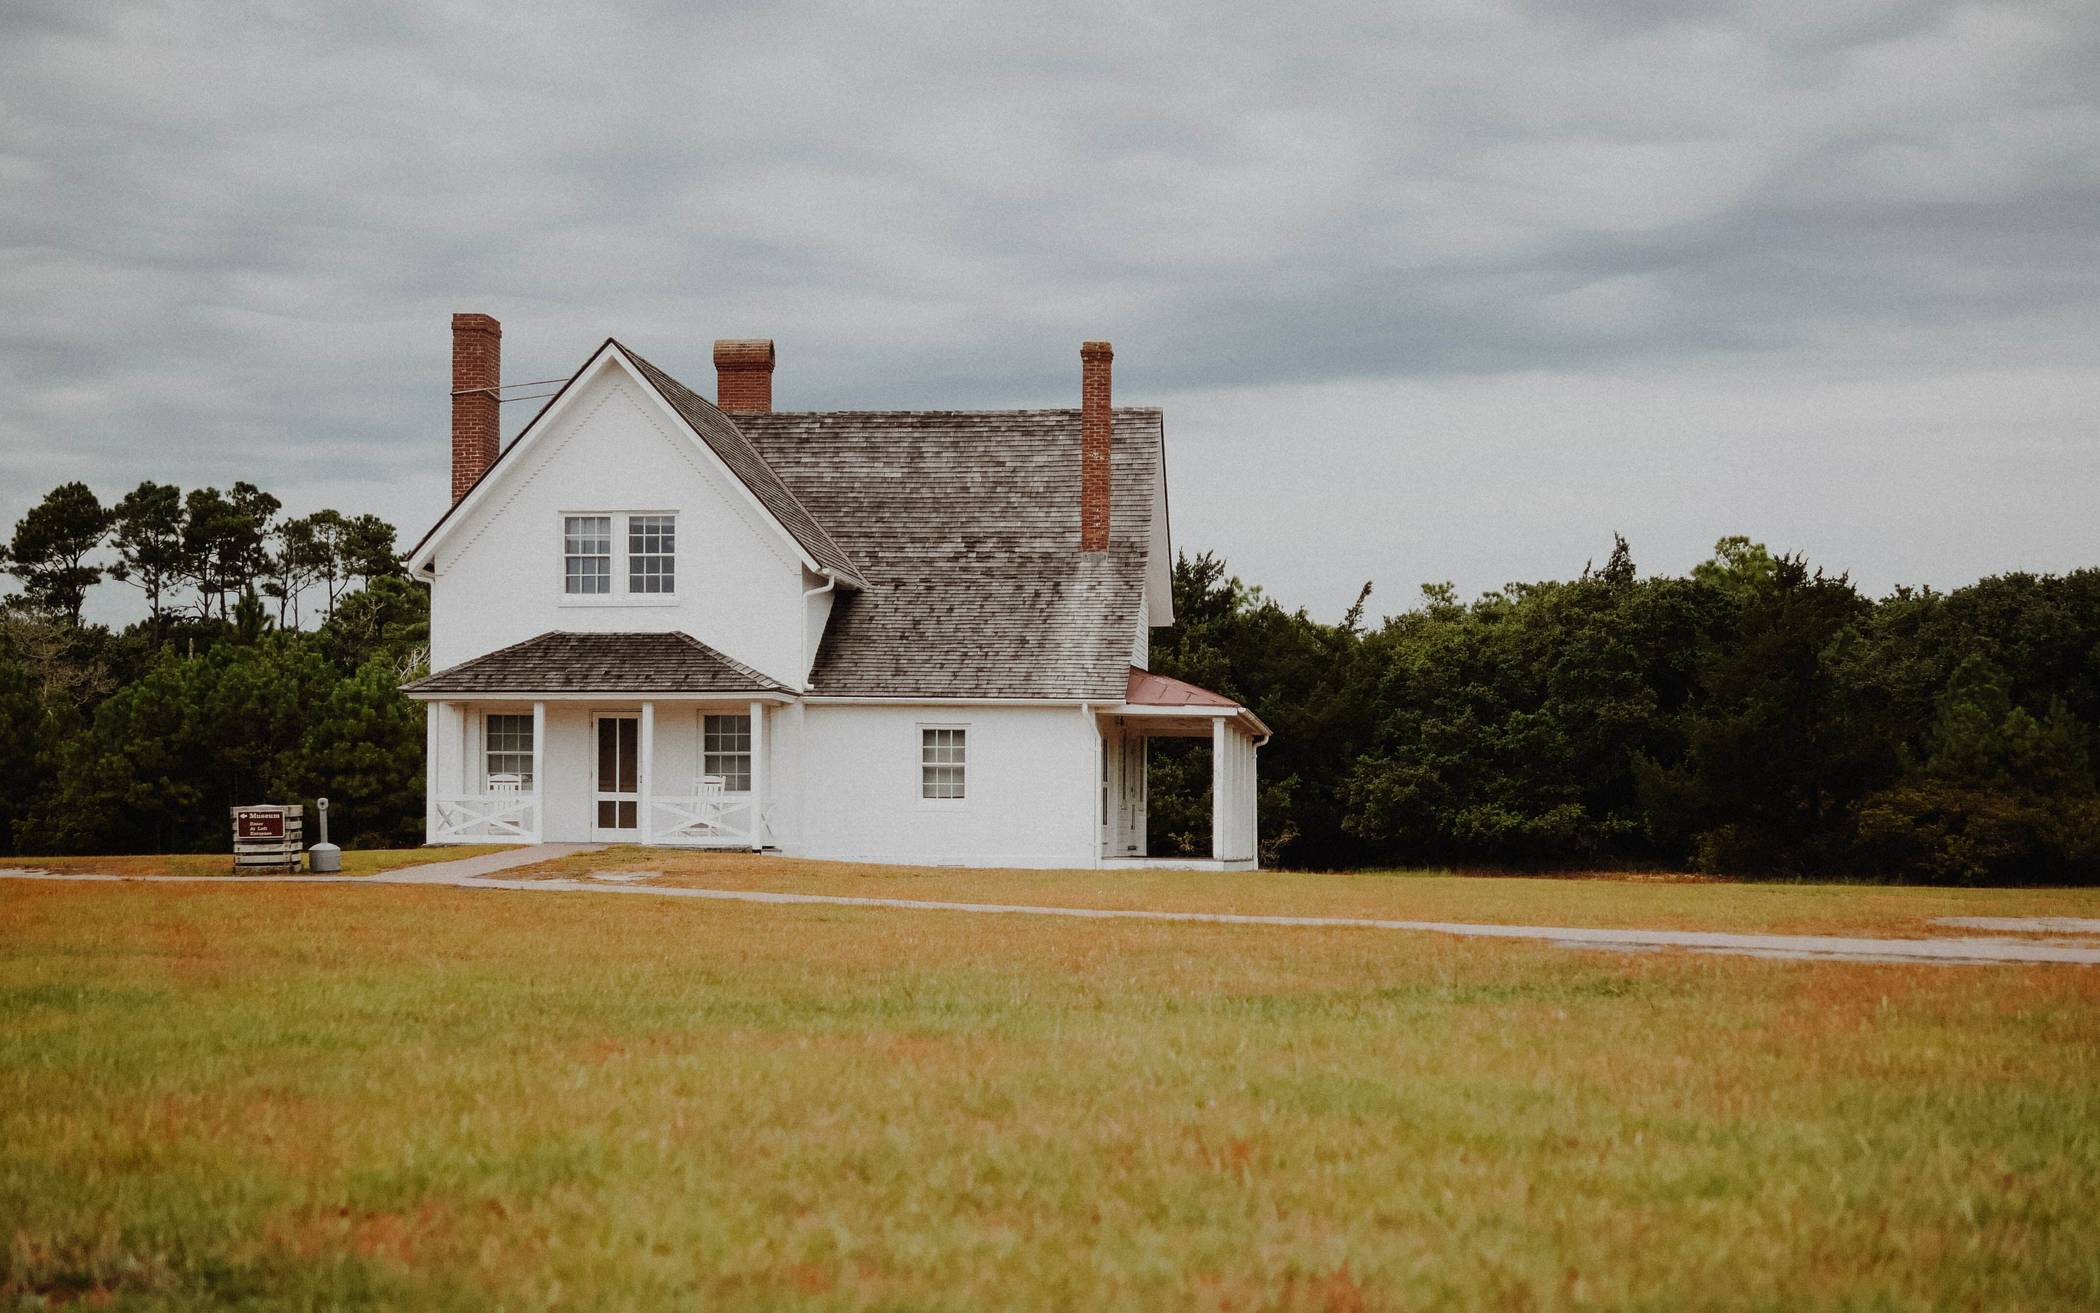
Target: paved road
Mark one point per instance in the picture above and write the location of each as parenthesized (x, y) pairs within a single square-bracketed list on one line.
[(478, 873)]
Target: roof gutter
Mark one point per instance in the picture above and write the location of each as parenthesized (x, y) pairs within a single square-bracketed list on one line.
[(617, 697)]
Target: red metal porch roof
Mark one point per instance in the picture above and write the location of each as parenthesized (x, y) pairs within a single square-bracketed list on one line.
[(1149, 690)]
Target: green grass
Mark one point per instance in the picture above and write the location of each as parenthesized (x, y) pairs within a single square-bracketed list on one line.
[(332, 1096)]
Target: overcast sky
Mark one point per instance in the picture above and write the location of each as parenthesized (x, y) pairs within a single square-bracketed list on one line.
[(1429, 291)]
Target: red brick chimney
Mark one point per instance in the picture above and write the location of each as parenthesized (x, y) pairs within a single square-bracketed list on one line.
[(744, 374), (477, 359), (1096, 431)]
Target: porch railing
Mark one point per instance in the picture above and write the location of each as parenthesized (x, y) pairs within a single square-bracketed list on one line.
[(496, 817), (701, 820)]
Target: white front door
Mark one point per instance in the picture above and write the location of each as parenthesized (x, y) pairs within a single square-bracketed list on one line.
[(1130, 813), (616, 780), (1122, 794)]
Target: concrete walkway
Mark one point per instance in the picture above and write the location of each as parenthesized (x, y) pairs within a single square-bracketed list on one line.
[(476, 873)]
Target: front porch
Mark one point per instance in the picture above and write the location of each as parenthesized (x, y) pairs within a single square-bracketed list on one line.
[(685, 773)]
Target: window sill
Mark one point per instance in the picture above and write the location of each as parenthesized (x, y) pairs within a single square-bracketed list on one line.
[(653, 599)]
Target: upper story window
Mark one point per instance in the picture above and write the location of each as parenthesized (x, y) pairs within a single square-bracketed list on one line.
[(586, 546), (652, 543), (616, 556)]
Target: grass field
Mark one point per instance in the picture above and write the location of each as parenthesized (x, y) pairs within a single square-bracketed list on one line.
[(342, 1096), (367, 861), (1675, 902)]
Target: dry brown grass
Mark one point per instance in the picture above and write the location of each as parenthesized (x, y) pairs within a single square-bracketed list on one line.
[(333, 1096), (1618, 900), (365, 861)]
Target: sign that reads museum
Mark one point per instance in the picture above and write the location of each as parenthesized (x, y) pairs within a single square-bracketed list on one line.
[(267, 836)]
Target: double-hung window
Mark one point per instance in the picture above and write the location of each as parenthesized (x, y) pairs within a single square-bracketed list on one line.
[(617, 557), (507, 743), (652, 553), (725, 750), (586, 548), (943, 759)]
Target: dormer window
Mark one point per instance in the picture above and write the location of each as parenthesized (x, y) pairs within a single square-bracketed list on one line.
[(619, 556)]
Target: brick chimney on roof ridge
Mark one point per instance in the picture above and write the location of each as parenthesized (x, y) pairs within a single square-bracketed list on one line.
[(744, 374), (1096, 439), (477, 369)]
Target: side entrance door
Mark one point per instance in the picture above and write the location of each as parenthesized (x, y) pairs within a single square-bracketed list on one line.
[(1131, 812), (1122, 793), (616, 780)]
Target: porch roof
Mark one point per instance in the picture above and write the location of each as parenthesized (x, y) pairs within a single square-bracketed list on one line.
[(1146, 689), (1147, 693), (559, 662)]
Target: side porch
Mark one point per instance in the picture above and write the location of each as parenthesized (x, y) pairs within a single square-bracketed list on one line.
[(1160, 707)]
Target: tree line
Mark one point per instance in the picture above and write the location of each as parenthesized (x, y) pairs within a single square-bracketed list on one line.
[(1756, 717), (212, 546), (138, 738)]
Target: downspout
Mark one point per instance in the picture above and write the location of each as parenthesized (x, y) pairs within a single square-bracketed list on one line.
[(831, 581), (1093, 784)]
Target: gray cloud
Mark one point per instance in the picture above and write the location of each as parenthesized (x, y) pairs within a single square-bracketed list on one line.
[(230, 237)]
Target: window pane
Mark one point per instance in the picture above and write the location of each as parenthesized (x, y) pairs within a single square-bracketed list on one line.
[(941, 763), (652, 550), (509, 746), (725, 743), (586, 544)]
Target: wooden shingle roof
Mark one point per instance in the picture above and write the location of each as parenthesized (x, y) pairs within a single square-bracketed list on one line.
[(965, 525), (600, 663), (728, 442)]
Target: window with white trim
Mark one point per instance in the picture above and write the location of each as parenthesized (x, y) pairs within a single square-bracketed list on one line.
[(943, 761), (586, 555), (725, 750), (507, 746), (616, 557), (652, 543)]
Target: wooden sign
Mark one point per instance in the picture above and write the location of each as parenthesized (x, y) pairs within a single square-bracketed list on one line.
[(268, 836), (258, 823)]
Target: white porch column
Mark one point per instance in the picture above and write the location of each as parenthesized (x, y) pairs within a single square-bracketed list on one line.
[(430, 772), (1220, 789), (759, 766), (539, 772), (463, 740), (645, 773)]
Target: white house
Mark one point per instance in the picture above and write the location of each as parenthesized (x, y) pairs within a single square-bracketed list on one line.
[(909, 636)]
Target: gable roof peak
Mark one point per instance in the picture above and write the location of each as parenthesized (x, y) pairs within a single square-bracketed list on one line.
[(716, 431)]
